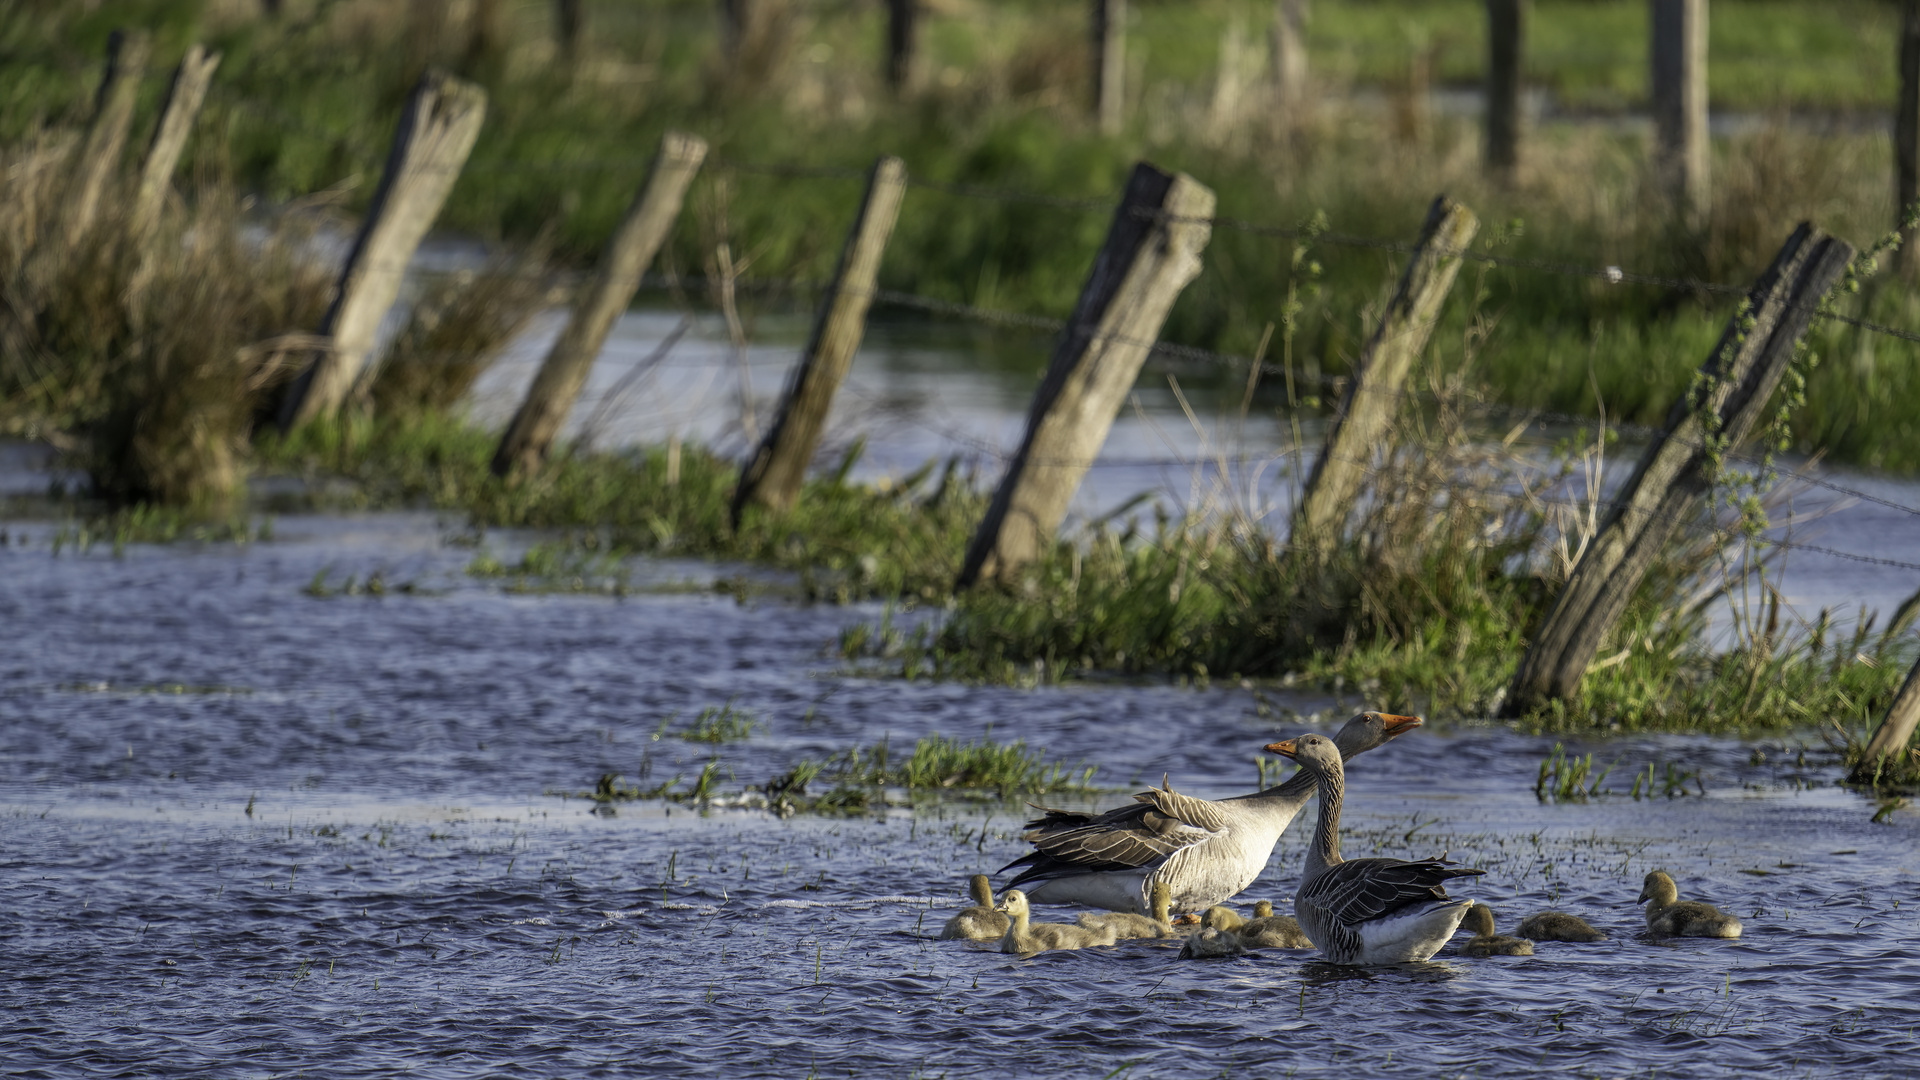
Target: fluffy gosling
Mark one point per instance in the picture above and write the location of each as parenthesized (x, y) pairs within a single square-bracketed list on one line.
[(1487, 943), (1026, 938), (979, 922), (1671, 916), (1558, 926)]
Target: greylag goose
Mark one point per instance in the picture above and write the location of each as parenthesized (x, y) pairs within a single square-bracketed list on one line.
[(1673, 917), (1269, 931), (1027, 938), (1206, 851), (979, 922), (1367, 911), (1487, 943), (1127, 926), (1213, 942), (1558, 926)]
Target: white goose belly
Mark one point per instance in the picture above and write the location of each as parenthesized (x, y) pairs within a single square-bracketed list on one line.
[(1409, 935)]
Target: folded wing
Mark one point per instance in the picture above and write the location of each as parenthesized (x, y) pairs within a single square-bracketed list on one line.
[(1364, 889), (1160, 822)]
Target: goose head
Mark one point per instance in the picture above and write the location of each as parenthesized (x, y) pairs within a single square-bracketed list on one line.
[(1220, 917), (1162, 899), (1014, 903), (1263, 910), (1659, 888), (982, 890), (1479, 920), (1315, 752), (1371, 730)]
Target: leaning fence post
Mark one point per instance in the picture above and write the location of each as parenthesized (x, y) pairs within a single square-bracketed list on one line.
[(106, 139), (1895, 731), (184, 98), (1906, 137), (1151, 252), (628, 254), (1109, 64), (1729, 398), (1372, 399), (1506, 39), (903, 43), (437, 130), (1679, 53), (774, 473)]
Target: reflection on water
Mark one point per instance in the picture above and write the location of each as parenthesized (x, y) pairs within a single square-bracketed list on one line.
[(249, 830)]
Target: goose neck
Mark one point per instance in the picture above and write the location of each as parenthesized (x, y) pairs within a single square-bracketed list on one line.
[(1326, 832)]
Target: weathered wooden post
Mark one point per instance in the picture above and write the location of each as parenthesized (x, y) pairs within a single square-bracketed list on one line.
[(638, 239), (1729, 398), (1151, 252), (1110, 64), (774, 473), (1890, 739), (437, 130), (184, 98), (1681, 153), (570, 30), (1506, 38), (903, 44), (1287, 46), (99, 156), (1360, 423), (1906, 138)]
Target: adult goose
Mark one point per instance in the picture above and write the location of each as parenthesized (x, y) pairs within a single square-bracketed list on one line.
[(979, 922), (1558, 926), (1205, 851), (1127, 926), (1027, 938), (1487, 943), (1367, 911), (1673, 917)]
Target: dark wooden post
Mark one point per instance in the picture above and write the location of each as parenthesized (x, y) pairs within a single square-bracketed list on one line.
[(903, 44), (1151, 252), (437, 130), (1110, 64), (631, 250), (1361, 422), (184, 98), (1506, 39), (1906, 137), (774, 474), (1890, 739), (106, 140), (1679, 52), (1665, 489), (570, 29)]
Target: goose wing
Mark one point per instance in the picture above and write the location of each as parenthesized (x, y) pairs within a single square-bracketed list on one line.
[(1160, 822), (1366, 889)]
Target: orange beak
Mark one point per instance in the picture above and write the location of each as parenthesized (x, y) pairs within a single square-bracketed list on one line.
[(1284, 748), (1399, 725)]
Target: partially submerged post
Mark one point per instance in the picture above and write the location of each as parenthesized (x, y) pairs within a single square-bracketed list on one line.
[(1675, 473), (184, 98), (1151, 252), (1681, 153), (903, 43), (1896, 729), (1506, 37), (99, 156), (1366, 410), (774, 473), (1906, 137), (638, 239), (1110, 64), (437, 130)]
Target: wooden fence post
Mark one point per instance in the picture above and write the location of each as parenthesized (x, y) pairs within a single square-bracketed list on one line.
[(99, 156), (1890, 739), (570, 30), (638, 239), (774, 473), (1906, 138), (1110, 64), (1151, 252), (437, 130), (1287, 46), (184, 98), (903, 43), (1367, 409), (1506, 40), (1679, 52), (1738, 377)]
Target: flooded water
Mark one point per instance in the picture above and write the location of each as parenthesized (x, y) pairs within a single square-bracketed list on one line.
[(247, 830)]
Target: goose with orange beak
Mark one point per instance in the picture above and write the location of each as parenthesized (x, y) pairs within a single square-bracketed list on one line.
[(1367, 911), (1204, 851)]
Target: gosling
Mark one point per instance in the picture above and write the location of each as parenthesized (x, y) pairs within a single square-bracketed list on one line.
[(1213, 942), (1127, 926), (1269, 931), (979, 922), (1558, 926), (1487, 943), (1026, 938), (1670, 916)]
